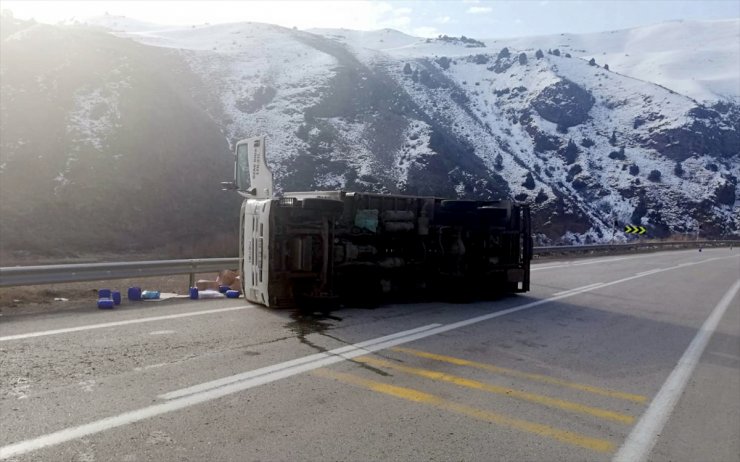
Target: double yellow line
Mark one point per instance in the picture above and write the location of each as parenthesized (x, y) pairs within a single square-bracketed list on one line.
[(565, 436), (510, 392), (524, 375), (417, 396)]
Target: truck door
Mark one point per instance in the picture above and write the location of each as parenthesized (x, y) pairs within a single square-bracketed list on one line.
[(252, 175)]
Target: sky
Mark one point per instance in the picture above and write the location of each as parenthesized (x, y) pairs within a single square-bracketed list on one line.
[(473, 18)]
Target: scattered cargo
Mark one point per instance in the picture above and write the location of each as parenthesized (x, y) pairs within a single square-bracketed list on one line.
[(150, 295), (134, 294)]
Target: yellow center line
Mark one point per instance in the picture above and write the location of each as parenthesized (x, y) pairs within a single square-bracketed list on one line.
[(417, 396), (510, 392), (524, 375)]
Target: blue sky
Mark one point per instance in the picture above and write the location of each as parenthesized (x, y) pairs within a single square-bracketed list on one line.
[(473, 18)]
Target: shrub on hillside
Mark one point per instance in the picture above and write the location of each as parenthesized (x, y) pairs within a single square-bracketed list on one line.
[(444, 62), (587, 142), (678, 169), (618, 155), (529, 181)]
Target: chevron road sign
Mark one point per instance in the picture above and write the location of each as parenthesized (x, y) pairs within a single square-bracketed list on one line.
[(630, 229)]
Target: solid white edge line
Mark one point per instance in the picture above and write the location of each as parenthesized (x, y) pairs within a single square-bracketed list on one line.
[(571, 264), (126, 418), (644, 435), (645, 273), (119, 323), (589, 286)]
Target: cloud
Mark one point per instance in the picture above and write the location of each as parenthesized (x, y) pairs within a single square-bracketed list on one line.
[(443, 20), (393, 18), (397, 22), (479, 9), (425, 31)]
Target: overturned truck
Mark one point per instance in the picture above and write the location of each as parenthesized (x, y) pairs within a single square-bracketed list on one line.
[(321, 249)]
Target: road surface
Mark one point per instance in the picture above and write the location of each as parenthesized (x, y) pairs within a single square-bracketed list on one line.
[(633, 357)]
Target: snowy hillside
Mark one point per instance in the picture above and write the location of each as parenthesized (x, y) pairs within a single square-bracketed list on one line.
[(653, 139), (463, 90), (698, 59)]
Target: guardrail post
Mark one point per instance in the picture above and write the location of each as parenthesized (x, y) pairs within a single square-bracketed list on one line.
[(191, 281)]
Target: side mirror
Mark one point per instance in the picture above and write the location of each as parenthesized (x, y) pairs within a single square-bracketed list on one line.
[(228, 186)]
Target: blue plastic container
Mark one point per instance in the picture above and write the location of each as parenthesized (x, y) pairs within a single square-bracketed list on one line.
[(134, 293), (194, 293), (232, 293), (105, 303), (223, 289), (104, 293), (150, 294), (116, 296)]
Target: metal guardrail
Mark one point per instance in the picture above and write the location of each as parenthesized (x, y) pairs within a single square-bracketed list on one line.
[(631, 246), (53, 274)]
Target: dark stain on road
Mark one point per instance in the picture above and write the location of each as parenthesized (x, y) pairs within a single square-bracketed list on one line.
[(306, 324)]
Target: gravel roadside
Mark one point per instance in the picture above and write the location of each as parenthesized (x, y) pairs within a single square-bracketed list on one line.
[(49, 298)]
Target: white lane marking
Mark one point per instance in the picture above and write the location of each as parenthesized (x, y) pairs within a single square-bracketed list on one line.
[(590, 286), (72, 433), (593, 262), (120, 323), (609, 260), (654, 270), (280, 372), (150, 366), (162, 332), (287, 364), (644, 435)]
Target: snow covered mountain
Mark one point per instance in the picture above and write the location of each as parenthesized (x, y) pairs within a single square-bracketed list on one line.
[(652, 139)]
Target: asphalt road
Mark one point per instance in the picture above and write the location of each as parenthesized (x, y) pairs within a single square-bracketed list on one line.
[(605, 359)]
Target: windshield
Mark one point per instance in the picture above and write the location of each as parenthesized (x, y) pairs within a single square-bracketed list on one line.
[(242, 167)]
